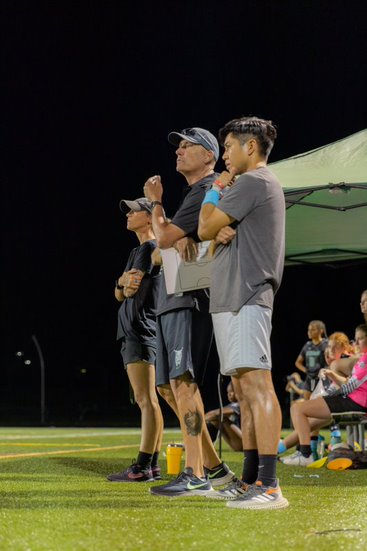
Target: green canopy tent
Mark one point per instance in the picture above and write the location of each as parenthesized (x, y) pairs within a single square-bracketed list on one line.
[(326, 198)]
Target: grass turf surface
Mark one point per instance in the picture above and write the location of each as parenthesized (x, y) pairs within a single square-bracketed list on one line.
[(54, 496)]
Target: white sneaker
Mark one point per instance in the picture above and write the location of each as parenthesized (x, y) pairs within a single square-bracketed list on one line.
[(295, 454), (260, 497), (298, 460)]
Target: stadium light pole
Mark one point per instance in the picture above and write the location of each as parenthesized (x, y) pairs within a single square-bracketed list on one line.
[(43, 387)]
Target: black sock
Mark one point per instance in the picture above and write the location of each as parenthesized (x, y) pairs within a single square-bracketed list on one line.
[(305, 450), (267, 470), (144, 459), (154, 462), (250, 466), (298, 447)]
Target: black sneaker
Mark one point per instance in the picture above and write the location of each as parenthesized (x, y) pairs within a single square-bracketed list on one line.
[(134, 473), (220, 475), (156, 472), (186, 484)]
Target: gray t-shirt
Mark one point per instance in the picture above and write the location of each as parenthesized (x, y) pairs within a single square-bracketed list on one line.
[(249, 270)]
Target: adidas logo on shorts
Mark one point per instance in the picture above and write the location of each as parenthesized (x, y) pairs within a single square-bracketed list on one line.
[(263, 358)]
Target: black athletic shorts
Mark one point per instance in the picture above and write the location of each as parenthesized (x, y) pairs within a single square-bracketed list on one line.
[(310, 383), (184, 338), (134, 351), (339, 404)]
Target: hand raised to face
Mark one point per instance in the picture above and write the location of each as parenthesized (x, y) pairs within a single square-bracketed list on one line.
[(153, 189)]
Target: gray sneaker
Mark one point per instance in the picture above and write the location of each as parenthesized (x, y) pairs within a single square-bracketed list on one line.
[(233, 490), (186, 484), (260, 497)]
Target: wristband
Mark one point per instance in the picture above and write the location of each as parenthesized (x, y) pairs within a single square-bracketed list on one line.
[(220, 184), (211, 197)]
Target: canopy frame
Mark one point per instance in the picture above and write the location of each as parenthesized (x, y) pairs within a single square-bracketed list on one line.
[(342, 187)]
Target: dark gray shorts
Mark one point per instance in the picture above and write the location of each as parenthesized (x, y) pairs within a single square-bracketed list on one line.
[(339, 404), (184, 339), (134, 351), (310, 383)]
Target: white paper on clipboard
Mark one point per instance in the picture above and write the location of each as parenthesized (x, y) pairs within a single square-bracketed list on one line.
[(183, 276)]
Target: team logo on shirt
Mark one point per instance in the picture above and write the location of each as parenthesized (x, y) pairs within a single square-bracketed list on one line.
[(178, 357)]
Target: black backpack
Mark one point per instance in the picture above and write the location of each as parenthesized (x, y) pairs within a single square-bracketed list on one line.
[(359, 459)]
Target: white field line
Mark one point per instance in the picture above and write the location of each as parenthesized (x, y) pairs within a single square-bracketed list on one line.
[(8, 440)]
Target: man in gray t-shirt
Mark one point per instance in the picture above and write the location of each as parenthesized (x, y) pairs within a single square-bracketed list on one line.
[(248, 215), (253, 262)]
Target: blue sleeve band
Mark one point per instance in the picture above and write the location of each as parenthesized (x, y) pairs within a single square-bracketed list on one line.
[(212, 197)]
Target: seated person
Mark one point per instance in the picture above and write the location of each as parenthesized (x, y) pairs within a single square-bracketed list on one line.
[(295, 387), (231, 422), (338, 347), (346, 394)]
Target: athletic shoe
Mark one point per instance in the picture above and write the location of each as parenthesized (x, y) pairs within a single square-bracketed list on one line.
[(220, 475), (156, 472), (186, 484), (258, 496), (233, 490), (294, 454), (298, 460), (134, 473)]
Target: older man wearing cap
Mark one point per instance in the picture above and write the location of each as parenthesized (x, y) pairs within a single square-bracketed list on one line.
[(137, 290), (184, 327)]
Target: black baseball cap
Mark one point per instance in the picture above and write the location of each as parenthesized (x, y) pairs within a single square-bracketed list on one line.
[(137, 205), (198, 136)]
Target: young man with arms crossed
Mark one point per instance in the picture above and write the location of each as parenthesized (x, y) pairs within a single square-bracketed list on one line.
[(184, 328), (246, 273)]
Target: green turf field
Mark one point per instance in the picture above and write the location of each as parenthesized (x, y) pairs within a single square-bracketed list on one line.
[(54, 496)]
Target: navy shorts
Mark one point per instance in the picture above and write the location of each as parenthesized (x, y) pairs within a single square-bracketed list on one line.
[(339, 404), (134, 351), (184, 339)]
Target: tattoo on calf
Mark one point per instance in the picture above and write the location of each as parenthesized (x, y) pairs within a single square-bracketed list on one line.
[(194, 422)]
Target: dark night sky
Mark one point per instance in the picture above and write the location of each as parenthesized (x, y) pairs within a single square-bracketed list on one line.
[(89, 93)]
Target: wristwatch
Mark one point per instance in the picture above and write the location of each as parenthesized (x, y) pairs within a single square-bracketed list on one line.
[(154, 203)]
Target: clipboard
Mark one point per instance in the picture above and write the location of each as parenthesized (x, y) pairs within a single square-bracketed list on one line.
[(181, 276)]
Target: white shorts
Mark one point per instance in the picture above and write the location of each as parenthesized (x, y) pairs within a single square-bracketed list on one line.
[(243, 338)]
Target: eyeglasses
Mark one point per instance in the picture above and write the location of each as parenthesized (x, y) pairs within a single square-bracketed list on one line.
[(197, 135), (189, 132)]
